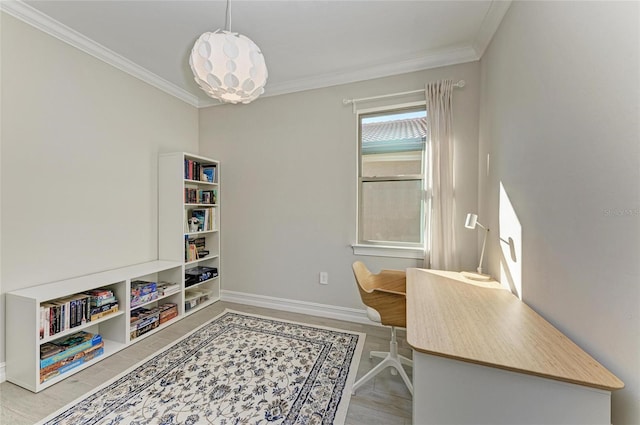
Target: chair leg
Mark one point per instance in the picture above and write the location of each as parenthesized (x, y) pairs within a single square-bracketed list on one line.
[(391, 359), (387, 362), (380, 354), (405, 361)]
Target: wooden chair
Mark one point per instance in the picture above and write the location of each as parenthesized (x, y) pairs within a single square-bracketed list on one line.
[(384, 294)]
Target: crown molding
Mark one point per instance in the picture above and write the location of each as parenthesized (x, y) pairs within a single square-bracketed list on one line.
[(490, 25), (44, 23), (438, 59)]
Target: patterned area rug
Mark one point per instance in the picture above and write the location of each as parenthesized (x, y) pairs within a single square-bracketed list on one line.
[(236, 369)]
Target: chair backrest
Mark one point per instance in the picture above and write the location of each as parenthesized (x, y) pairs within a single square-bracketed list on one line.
[(384, 292)]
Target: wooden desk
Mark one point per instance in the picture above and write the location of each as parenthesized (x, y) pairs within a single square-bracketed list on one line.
[(482, 356)]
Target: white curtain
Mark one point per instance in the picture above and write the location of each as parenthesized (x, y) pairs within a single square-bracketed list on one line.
[(443, 255)]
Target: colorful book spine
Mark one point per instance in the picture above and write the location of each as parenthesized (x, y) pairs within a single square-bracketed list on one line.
[(72, 365), (103, 308), (46, 370), (97, 302), (113, 309), (95, 340)]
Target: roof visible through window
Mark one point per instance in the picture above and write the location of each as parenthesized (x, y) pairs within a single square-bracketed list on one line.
[(395, 132)]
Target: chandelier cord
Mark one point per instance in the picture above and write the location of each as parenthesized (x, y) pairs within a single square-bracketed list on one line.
[(227, 23)]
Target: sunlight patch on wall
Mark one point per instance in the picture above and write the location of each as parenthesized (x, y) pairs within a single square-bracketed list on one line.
[(510, 244)]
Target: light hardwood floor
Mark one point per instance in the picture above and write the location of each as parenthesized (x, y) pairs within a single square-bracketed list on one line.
[(383, 401)]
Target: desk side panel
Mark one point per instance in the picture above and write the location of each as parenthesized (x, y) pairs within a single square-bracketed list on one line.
[(448, 391)]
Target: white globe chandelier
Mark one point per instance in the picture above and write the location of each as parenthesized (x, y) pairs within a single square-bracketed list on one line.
[(228, 66)]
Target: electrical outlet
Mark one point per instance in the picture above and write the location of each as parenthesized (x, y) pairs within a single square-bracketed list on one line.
[(324, 278)]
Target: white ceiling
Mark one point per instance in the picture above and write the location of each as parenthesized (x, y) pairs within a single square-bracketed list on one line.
[(306, 44)]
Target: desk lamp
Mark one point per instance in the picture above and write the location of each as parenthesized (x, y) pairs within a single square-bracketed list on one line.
[(470, 223)]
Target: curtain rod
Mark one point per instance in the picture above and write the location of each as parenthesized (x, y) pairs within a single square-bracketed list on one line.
[(460, 84)]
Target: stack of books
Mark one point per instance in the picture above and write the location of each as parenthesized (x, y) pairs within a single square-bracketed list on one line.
[(103, 302), (195, 249), (143, 292), (167, 312), (64, 354), (167, 288), (199, 274), (201, 247), (143, 320)]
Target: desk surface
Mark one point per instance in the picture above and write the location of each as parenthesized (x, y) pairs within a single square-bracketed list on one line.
[(480, 322)]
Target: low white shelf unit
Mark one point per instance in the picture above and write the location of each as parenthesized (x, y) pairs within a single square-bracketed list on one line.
[(23, 314)]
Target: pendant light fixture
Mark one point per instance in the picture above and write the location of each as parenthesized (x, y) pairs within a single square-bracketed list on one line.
[(228, 66)]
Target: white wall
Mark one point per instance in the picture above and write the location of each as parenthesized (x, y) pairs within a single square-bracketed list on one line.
[(560, 119), (79, 160), (288, 200)]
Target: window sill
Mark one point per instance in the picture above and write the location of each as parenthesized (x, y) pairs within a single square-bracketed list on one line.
[(388, 251)]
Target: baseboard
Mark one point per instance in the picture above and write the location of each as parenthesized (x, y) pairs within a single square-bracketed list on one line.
[(295, 306), (3, 376)]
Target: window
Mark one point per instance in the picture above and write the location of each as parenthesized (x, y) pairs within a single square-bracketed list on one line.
[(391, 178)]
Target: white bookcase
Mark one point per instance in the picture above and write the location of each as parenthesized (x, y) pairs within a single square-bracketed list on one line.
[(23, 306), (175, 210), (23, 311)]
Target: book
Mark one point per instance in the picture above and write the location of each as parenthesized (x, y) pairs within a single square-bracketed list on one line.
[(100, 293), (168, 311), (113, 309), (205, 219), (46, 323), (71, 345), (81, 315), (75, 363), (61, 323), (143, 292), (200, 215), (193, 253), (199, 274), (167, 288), (73, 310), (97, 302), (209, 172), (200, 251), (48, 349), (103, 308), (193, 170), (41, 332), (57, 365)]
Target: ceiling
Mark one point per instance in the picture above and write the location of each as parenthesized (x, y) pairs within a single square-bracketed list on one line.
[(306, 44)]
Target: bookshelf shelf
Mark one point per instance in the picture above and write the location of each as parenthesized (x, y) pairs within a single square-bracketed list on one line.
[(199, 307), (199, 260), (203, 232), (200, 182), (201, 283)]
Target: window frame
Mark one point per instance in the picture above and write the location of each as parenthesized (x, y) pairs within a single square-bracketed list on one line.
[(392, 248)]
